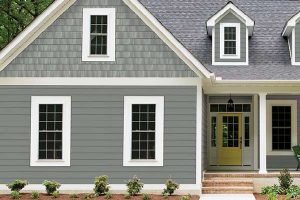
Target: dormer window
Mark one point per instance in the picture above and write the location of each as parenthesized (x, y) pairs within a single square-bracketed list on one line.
[(230, 30), (98, 37), (292, 32), (230, 40)]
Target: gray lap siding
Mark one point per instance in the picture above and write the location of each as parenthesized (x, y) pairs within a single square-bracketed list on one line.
[(97, 134)]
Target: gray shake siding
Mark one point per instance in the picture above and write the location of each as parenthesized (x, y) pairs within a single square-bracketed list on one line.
[(230, 18), (297, 42), (285, 161), (57, 51), (97, 134)]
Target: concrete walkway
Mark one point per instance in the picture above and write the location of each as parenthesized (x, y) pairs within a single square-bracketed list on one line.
[(227, 197)]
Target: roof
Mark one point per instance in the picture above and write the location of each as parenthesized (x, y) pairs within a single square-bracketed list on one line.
[(269, 57)]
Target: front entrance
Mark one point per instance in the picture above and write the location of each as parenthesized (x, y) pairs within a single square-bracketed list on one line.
[(230, 139)]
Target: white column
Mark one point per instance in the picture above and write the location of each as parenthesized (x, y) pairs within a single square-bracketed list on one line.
[(199, 135), (262, 133)]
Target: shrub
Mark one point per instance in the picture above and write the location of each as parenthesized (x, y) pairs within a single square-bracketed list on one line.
[(51, 186), (15, 195), (55, 194), (285, 180), (108, 195), (134, 186), (272, 196), (271, 189), (186, 197), (293, 191), (101, 185), (171, 186), (17, 185), (127, 196), (88, 196), (35, 195), (146, 196), (73, 196)]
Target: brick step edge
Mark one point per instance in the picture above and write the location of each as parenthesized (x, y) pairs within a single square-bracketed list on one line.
[(238, 183)]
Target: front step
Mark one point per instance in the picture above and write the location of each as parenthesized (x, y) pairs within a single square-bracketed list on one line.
[(227, 183)]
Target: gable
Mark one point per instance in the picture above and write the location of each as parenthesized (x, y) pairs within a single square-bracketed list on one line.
[(57, 51)]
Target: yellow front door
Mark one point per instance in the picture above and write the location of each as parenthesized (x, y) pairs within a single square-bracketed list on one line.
[(230, 139)]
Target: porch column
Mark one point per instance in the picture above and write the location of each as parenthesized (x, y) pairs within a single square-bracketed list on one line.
[(262, 133)]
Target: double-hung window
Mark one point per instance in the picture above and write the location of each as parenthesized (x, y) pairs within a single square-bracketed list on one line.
[(143, 131), (50, 131), (98, 42), (229, 40), (282, 126)]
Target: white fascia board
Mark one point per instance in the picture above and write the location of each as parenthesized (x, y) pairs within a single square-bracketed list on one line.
[(168, 38), (27, 36), (230, 7), (290, 25)]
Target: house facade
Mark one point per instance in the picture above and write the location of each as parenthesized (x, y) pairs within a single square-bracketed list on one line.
[(150, 88)]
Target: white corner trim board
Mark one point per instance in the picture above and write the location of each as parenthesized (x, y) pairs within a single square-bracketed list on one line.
[(111, 34), (66, 130), (26, 37), (168, 38), (159, 130), (115, 188)]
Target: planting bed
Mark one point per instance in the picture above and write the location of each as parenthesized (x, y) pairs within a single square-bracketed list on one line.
[(27, 196), (264, 197)]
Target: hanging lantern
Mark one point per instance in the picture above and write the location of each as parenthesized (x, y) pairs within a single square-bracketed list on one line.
[(230, 104)]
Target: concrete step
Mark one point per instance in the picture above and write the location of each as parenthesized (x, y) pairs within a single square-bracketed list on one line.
[(227, 182), (227, 190)]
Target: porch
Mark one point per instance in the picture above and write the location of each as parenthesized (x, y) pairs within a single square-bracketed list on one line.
[(255, 133)]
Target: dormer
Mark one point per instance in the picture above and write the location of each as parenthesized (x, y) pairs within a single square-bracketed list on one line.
[(230, 29), (292, 32)]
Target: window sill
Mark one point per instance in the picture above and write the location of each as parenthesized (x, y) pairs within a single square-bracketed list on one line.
[(281, 153), (50, 163), (143, 163), (236, 56), (96, 58)]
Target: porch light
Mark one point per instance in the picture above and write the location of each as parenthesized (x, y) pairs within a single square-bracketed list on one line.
[(230, 104)]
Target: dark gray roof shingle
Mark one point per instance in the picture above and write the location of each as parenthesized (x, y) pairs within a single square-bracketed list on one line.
[(268, 50)]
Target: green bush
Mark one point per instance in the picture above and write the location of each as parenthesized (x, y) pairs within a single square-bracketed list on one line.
[(272, 196), (134, 186), (271, 189), (73, 196), (51, 186), (293, 191), (127, 196), (186, 197), (15, 195), (35, 195), (17, 185), (55, 194), (146, 196), (108, 195), (285, 180), (88, 196), (171, 187), (101, 185)]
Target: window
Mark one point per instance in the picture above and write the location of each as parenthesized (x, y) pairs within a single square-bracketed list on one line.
[(247, 131), (98, 34), (50, 131), (282, 126), (236, 108), (213, 131), (143, 131), (230, 40)]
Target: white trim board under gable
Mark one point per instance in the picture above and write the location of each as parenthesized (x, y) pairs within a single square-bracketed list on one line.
[(60, 6), (230, 7)]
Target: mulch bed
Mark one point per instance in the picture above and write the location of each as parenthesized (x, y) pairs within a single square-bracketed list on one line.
[(264, 197), (81, 197)]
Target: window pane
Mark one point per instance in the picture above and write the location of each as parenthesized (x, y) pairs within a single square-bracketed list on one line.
[(143, 131), (230, 40), (281, 127), (50, 135), (213, 131), (98, 35), (247, 131)]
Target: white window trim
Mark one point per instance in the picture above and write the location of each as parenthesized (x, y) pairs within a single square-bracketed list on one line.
[(159, 127), (238, 41), (293, 104), (34, 146), (111, 35)]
